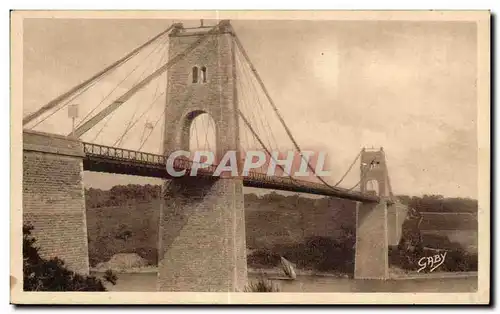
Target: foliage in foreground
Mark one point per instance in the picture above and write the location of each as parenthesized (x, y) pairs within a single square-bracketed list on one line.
[(263, 285), (51, 275)]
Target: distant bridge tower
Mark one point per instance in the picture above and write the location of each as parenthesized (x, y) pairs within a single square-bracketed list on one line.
[(378, 226), (202, 222), (374, 174)]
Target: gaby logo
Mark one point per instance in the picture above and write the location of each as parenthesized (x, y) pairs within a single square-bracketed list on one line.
[(252, 160), (431, 262)]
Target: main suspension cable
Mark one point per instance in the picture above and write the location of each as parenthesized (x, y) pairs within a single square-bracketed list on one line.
[(349, 169), (362, 176), (53, 103), (261, 83), (263, 145), (121, 82), (126, 96), (129, 125)]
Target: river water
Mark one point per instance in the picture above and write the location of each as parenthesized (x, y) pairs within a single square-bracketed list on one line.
[(147, 282)]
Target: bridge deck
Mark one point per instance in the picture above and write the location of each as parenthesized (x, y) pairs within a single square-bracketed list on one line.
[(108, 159)]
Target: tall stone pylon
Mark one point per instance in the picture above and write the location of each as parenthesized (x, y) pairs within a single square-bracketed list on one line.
[(202, 222), (371, 258), (378, 225)]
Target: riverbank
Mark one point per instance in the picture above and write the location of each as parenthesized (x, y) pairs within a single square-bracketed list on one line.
[(147, 282), (277, 273)]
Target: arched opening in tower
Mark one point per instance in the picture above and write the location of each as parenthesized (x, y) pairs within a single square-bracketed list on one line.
[(372, 187), (202, 134)]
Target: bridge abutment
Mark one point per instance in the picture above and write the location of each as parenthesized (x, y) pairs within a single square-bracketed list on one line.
[(202, 236), (371, 258), (54, 197)]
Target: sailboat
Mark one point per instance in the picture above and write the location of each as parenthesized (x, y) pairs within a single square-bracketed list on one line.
[(288, 268)]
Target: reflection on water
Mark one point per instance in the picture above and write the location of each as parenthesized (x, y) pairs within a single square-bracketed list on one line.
[(147, 282)]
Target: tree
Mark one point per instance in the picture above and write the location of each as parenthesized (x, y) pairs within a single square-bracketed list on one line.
[(123, 233), (51, 275)]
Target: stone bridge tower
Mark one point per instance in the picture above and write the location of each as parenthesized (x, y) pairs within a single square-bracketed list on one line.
[(378, 226), (202, 222), (374, 174)]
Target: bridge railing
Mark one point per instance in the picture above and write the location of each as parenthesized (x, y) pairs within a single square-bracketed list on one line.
[(258, 176), (179, 164), (182, 163), (122, 154)]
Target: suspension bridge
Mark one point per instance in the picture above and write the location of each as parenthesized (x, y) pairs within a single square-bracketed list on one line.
[(176, 77)]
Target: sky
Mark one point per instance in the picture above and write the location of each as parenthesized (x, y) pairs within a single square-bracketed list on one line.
[(409, 87)]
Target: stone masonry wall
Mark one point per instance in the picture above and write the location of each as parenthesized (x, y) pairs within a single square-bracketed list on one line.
[(53, 197), (371, 260), (202, 223), (216, 97), (202, 236)]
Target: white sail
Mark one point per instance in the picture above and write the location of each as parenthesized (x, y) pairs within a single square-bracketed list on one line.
[(288, 268)]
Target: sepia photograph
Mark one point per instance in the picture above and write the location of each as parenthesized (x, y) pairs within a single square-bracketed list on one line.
[(259, 156)]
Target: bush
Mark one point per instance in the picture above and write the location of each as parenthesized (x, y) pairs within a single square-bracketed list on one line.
[(263, 259), (110, 276), (316, 253), (456, 260), (123, 233), (51, 275), (460, 260), (263, 285), (411, 250)]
